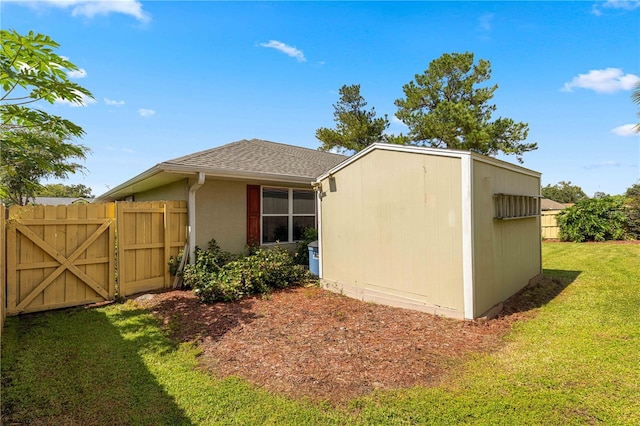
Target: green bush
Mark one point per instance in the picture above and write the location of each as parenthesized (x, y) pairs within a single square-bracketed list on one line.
[(208, 263), (302, 248), (213, 280), (594, 219)]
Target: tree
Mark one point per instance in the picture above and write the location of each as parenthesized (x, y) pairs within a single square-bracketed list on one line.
[(632, 206), (633, 190), (444, 109), (564, 192), (31, 156), (62, 190), (356, 128), (34, 143), (31, 72)]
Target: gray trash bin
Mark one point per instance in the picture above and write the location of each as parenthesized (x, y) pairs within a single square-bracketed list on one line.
[(314, 258)]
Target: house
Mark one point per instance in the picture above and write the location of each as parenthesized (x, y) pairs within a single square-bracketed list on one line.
[(448, 232), (547, 205), (60, 201), (244, 193)]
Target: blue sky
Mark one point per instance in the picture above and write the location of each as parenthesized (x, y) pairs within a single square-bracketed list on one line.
[(171, 78)]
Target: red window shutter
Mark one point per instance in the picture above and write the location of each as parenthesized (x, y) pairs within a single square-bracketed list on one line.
[(253, 215)]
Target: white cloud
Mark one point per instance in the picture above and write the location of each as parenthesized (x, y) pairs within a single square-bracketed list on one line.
[(84, 101), (79, 73), (128, 150), (91, 8), (286, 49), (607, 163), (486, 21), (396, 120), (111, 102), (608, 80), (615, 4), (144, 112), (625, 130)]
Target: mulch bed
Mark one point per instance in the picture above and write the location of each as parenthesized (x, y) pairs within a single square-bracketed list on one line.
[(309, 342)]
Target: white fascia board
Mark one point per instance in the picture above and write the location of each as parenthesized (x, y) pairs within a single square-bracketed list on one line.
[(505, 165), (155, 170), (346, 162), (238, 175), (440, 152), (163, 167), (398, 148), (467, 237)]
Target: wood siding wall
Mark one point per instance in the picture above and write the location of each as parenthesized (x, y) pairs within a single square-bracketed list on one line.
[(506, 253), (60, 256), (391, 231)]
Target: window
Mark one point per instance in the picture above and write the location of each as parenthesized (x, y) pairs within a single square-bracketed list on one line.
[(507, 206), (286, 213)]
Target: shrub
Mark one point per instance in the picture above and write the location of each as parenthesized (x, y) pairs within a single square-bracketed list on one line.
[(257, 273), (302, 248), (594, 219), (208, 263)]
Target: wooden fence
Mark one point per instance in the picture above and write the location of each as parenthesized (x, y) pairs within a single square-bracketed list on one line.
[(549, 225), (60, 256), (3, 268), (149, 233)]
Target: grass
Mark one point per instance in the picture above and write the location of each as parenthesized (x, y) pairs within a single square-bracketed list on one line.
[(576, 362)]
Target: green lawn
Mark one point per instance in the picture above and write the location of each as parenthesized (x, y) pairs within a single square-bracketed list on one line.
[(576, 362)]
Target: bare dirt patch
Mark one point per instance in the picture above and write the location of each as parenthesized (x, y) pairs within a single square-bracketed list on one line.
[(308, 342)]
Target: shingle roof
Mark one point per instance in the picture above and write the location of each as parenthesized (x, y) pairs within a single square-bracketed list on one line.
[(547, 204), (259, 156)]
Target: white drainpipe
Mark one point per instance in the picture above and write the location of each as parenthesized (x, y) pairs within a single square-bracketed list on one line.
[(192, 216)]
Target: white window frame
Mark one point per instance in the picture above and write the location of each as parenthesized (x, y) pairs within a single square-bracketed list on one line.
[(290, 215)]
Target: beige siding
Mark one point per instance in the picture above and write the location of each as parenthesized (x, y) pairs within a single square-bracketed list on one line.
[(392, 230), (174, 191), (221, 213), (506, 253)]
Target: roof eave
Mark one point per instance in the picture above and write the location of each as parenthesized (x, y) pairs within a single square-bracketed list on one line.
[(125, 189)]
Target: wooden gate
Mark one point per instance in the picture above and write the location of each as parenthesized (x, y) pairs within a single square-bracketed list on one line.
[(59, 256), (149, 233)]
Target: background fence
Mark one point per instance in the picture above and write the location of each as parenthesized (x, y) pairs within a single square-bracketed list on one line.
[(3, 269), (59, 256), (550, 229)]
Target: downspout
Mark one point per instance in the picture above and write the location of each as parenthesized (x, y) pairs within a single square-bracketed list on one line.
[(192, 216), (318, 188)]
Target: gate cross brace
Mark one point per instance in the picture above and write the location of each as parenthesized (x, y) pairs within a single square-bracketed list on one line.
[(65, 263)]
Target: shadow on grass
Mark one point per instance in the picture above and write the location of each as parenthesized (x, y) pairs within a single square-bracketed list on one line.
[(554, 281), (188, 320), (85, 367)]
